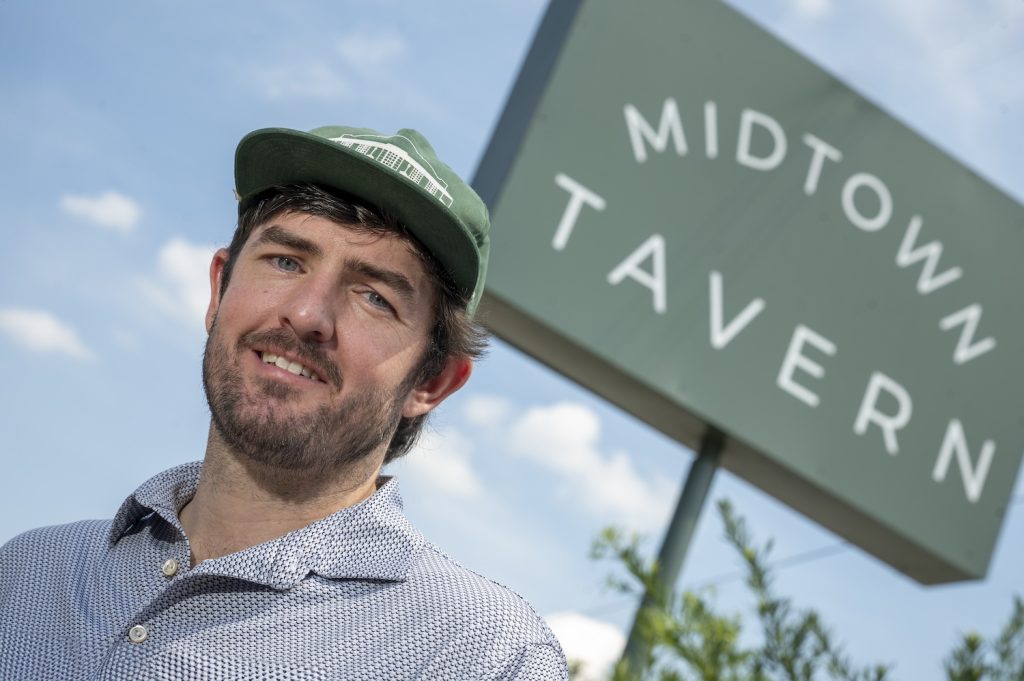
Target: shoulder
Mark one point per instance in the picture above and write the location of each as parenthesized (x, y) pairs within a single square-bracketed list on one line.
[(39, 569), (54, 547), (486, 616), (482, 598)]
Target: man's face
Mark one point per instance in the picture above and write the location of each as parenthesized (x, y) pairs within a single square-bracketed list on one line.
[(313, 347)]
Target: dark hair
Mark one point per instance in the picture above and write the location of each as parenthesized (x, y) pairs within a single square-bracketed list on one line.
[(454, 333)]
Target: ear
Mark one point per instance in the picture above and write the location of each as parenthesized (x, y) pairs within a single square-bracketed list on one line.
[(220, 258), (432, 392)]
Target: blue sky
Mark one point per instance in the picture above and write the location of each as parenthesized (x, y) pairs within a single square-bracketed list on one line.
[(117, 133)]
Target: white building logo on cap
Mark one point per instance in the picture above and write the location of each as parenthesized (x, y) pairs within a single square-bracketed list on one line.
[(398, 159)]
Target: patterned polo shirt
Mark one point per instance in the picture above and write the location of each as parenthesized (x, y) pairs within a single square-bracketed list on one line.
[(359, 595)]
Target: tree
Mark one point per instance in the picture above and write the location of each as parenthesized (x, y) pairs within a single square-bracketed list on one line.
[(687, 639), (1001, 659)]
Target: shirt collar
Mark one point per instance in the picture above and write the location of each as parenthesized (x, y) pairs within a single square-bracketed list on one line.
[(369, 540)]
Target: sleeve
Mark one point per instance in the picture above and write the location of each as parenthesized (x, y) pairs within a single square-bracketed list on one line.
[(534, 662)]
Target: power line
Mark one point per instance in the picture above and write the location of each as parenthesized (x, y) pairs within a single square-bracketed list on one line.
[(782, 563), (775, 566)]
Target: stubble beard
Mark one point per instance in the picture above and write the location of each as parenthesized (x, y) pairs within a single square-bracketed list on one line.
[(323, 441)]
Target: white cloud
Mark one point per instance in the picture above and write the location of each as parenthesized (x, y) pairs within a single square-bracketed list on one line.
[(942, 67), (376, 58), (487, 411), (309, 80), (564, 438), (369, 51), (180, 287), (41, 331), (933, 38), (362, 65), (110, 210), (441, 459), (370, 63), (594, 643), (812, 9)]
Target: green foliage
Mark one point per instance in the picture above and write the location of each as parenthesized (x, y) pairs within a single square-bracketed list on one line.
[(683, 628), (1001, 659), (796, 645), (687, 640)]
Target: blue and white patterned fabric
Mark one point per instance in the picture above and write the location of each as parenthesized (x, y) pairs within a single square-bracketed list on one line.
[(359, 595)]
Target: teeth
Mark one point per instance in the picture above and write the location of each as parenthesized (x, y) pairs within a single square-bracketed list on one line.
[(288, 365)]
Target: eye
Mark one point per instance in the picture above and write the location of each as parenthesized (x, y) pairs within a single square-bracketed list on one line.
[(378, 301), (285, 264)]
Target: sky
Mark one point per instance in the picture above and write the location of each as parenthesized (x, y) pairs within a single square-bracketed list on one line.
[(117, 130)]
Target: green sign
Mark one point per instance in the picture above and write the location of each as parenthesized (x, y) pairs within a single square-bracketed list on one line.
[(704, 227)]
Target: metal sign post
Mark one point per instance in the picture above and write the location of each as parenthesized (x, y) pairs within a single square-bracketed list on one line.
[(680, 531)]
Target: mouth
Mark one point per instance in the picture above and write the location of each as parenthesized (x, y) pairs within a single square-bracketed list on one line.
[(288, 365)]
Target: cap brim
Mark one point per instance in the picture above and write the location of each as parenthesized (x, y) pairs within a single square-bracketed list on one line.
[(279, 156)]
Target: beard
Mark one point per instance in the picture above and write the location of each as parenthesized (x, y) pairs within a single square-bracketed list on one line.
[(258, 426)]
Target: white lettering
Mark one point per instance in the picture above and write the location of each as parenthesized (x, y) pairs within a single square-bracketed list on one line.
[(854, 183), (966, 348), (710, 130), (579, 195), (974, 478), (794, 360), (930, 253), (748, 119), (822, 150), (868, 414), (653, 247), (722, 336), (670, 125)]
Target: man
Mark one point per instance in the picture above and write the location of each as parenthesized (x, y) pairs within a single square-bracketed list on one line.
[(340, 316)]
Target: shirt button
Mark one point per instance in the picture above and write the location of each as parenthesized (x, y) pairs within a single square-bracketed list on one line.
[(169, 568), (138, 634)]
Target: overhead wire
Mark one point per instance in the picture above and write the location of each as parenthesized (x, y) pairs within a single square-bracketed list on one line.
[(800, 558)]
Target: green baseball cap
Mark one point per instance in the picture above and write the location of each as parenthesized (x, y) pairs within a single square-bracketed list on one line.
[(398, 173)]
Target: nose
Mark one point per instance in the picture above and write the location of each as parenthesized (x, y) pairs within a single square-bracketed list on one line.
[(310, 311)]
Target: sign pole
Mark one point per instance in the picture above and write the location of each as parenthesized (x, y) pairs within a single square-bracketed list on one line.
[(677, 537)]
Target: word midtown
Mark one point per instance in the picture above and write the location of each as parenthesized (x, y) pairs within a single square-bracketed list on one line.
[(646, 266)]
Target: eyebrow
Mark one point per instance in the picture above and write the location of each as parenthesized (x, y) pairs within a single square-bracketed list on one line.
[(396, 280), (275, 234)]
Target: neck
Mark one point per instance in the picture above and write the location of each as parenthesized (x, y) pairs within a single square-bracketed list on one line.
[(241, 503)]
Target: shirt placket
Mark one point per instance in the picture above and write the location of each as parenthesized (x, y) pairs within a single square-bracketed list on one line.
[(145, 629)]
